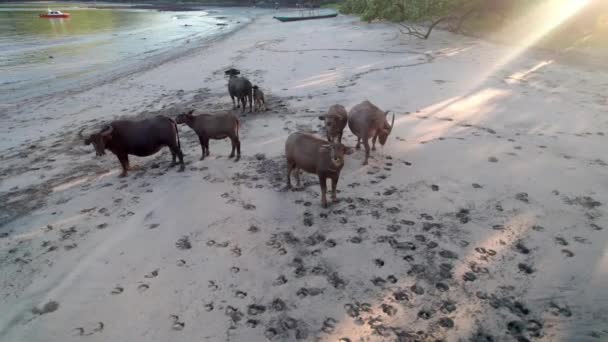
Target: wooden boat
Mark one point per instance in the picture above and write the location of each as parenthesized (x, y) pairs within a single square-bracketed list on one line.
[(54, 14), (305, 17)]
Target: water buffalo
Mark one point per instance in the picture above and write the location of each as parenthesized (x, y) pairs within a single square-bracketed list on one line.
[(139, 138), (314, 155), (218, 126), (258, 99), (241, 88), (335, 121), (366, 121)]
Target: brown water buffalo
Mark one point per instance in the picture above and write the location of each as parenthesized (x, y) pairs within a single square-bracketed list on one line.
[(239, 88), (366, 121), (217, 126), (258, 99), (139, 138), (314, 155), (335, 121)]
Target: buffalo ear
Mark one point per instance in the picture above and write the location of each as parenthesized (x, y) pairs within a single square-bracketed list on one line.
[(191, 111), (322, 117), (87, 141)]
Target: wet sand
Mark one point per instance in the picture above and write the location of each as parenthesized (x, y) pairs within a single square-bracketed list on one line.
[(483, 217)]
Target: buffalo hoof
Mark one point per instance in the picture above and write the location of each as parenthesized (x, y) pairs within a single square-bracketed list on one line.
[(358, 147), (122, 175), (181, 168), (231, 156), (237, 158), (364, 163), (373, 148)]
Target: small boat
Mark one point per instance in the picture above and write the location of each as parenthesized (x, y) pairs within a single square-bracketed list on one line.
[(54, 14), (305, 17)]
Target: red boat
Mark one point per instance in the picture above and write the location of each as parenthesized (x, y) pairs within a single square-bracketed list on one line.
[(54, 14)]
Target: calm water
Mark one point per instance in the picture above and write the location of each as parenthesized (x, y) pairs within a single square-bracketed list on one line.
[(41, 56)]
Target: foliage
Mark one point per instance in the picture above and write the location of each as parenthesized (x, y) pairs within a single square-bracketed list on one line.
[(400, 10)]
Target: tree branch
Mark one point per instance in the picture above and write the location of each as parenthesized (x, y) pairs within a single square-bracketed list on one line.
[(412, 31)]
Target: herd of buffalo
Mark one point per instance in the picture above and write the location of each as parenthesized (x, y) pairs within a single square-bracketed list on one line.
[(324, 157)]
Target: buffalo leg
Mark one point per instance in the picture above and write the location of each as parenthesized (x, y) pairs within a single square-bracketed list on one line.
[(233, 147), (206, 141), (202, 142), (250, 103), (244, 103), (334, 185), (234, 106), (374, 142), (177, 153), (289, 169), (297, 174), (124, 162), (237, 142), (323, 182), (366, 145), (340, 138), (358, 143)]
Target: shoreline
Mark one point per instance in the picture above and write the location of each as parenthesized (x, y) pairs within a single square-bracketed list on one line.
[(187, 49), (461, 227)]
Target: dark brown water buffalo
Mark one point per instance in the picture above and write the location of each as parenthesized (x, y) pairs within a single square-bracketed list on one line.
[(239, 88), (366, 121), (139, 138), (217, 126), (314, 155), (335, 121)]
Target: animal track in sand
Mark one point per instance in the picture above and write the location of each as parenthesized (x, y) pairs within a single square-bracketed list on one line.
[(527, 269), (183, 243), (152, 274), (567, 253), (143, 287), (117, 290), (177, 325)]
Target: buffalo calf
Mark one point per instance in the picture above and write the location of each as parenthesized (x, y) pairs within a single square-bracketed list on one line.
[(335, 121), (258, 99), (139, 138), (218, 126), (313, 155)]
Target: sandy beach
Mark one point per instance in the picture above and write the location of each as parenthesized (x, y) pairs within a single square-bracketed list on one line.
[(483, 218)]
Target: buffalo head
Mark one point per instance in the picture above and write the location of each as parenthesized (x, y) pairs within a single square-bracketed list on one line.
[(386, 130), (336, 152), (185, 117), (99, 140), (232, 72)]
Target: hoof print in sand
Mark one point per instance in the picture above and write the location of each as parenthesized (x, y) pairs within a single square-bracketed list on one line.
[(446, 322), (527, 269), (254, 309), (49, 307), (329, 325), (152, 274), (389, 310), (177, 325), (117, 290), (425, 314), (143, 287), (183, 243)]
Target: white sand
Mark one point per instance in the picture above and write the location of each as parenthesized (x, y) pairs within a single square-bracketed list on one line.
[(458, 105)]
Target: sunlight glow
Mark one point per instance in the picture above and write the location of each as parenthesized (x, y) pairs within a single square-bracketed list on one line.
[(537, 24), (522, 75)]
